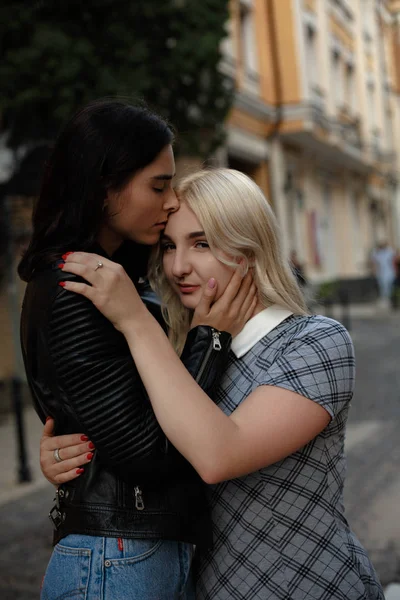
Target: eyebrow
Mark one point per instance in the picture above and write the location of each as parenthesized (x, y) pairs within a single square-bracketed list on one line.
[(163, 177), (191, 236)]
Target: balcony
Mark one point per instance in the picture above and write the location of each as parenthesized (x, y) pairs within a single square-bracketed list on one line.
[(334, 140), (386, 158), (348, 128)]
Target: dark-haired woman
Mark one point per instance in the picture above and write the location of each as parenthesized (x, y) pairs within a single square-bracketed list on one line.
[(127, 526)]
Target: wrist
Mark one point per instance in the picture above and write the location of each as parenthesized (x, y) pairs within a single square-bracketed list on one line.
[(134, 322), (140, 325)]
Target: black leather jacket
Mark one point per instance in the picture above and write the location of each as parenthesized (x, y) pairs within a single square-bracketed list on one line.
[(81, 372)]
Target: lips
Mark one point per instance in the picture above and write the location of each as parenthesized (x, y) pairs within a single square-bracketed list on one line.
[(187, 288)]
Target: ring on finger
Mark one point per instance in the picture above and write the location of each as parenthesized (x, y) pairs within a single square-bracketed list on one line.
[(99, 265), (57, 456)]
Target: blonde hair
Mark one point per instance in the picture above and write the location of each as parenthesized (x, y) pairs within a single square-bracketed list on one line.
[(237, 220)]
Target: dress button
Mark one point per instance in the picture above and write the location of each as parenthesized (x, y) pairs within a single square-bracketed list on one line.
[(107, 563)]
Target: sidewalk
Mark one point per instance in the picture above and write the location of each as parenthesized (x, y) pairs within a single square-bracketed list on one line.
[(367, 310), (10, 488)]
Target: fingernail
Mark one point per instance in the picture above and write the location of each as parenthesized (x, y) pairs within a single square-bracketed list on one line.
[(211, 283), (60, 265), (91, 445), (84, 438), (48, 419), (79, 471), (64, 256), (89, 456), (61, 283)]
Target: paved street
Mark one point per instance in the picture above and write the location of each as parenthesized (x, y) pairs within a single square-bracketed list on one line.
[(372, 496), (373, 482)]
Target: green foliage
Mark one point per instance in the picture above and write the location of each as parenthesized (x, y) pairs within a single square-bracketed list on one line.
[(327, 291), (58, 55)]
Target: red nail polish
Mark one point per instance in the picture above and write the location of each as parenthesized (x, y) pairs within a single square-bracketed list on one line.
[(62, 283), (64, 256), (91, 445), (48, 419), (89, 456), (84, 438), (60, 266), (79, 471)]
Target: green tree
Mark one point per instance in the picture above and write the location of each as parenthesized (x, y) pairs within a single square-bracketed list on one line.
[(57, 55)]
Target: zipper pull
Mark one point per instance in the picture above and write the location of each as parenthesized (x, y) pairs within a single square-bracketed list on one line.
[(138, 498), (216, 340)]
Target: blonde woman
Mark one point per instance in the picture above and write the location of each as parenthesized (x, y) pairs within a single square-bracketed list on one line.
[(271, 445)]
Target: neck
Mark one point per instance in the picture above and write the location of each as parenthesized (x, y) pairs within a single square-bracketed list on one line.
[(109, 240), (259, 308)]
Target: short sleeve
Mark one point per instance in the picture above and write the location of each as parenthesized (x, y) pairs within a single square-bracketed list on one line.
[(316, 362)]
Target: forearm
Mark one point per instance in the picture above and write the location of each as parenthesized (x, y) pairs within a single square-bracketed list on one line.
[(189, 418), (102, 390)]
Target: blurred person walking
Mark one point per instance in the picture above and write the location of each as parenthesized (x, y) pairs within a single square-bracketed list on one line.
[(383, 267)]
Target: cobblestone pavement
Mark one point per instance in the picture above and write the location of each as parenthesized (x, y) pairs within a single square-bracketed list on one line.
[(372, 494)]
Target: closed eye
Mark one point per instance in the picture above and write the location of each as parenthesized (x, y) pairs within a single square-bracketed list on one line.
[(167, 246)]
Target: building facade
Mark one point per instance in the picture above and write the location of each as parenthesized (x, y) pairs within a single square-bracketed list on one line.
[(316, 122)]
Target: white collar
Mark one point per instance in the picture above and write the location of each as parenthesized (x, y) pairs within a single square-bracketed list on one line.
[(258, 327)]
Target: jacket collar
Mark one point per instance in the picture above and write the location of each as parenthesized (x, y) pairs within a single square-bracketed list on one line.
[(258, 327)]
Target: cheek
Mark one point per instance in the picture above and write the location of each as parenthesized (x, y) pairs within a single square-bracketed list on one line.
[(167, 267), (223, 277)]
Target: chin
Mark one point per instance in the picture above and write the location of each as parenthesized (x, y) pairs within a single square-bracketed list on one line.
[(189, 302), (150, 239)]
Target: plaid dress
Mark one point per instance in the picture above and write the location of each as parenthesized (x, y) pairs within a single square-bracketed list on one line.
[(280, 533)]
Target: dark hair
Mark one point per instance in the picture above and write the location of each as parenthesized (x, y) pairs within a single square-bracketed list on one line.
[(100, 148)]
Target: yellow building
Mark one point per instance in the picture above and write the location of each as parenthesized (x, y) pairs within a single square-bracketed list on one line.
[(316, 122)]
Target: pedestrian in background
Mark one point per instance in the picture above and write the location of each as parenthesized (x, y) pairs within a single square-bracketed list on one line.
[(383, 267)]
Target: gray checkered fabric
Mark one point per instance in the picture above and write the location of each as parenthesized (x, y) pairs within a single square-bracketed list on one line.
[(280, 533)]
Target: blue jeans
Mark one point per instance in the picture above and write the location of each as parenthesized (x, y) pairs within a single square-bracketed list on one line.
[(84, 567)]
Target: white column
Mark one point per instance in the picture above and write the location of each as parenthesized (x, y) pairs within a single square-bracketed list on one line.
[(278, 175)]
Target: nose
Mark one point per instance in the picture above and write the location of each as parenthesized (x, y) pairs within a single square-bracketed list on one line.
[(171, 203), (181, 265)]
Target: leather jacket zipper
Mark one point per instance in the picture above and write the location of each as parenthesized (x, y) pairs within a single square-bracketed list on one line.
[(138, 498), (216, 345)]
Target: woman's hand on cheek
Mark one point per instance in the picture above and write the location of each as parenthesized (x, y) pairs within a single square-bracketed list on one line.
[(233, 309), (111, 290)]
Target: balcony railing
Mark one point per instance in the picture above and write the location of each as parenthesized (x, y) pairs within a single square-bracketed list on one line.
[(385, 157), (350, 133)]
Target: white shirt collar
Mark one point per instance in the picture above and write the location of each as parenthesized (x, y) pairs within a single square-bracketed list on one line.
[(258, 327)]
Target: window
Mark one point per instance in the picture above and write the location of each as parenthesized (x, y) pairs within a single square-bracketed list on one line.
[(389, 142), (311, 57), (355, 220), (337, 80), (248, 49), (371, 108), (350, 95), (367, 15)]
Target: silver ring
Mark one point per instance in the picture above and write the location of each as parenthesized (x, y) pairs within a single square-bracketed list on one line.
[(56, 455), (99, 265)]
